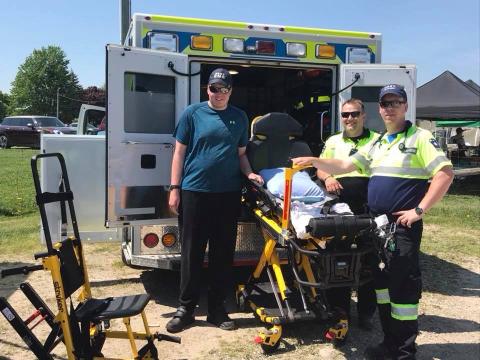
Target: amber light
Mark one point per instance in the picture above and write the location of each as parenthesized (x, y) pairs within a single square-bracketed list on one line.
[(325, 51), (201, 42), (151, 240), (168, 240)]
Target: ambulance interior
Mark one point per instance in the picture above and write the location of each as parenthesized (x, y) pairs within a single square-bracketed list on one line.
[(303, 93)]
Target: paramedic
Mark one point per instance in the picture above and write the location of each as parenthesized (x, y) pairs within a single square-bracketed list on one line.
[(399, 163), (351, 189), (206, 179)]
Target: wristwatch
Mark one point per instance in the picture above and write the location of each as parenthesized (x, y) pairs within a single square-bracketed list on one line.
[(418, 211), (173, 187)]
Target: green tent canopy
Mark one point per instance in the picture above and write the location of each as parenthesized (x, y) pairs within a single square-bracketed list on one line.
[(457, 123)]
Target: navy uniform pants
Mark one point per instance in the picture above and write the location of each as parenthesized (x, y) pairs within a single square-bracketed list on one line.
[(398, 289), (207, 218)]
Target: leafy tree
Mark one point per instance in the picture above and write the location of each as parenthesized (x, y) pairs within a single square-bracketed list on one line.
[(34, 90), (4, 101), (93, 95)]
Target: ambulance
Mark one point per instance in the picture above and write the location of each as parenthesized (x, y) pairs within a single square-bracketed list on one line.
[(120, 180)]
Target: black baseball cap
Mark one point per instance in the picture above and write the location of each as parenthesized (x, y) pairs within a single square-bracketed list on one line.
[(394, 89), (220, 76)]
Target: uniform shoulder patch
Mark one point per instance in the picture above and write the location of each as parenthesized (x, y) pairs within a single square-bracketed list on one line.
[(435, 143)]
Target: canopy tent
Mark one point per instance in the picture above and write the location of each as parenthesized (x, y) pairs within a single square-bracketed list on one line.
[(448, 98), (458, 123), (473, 85)]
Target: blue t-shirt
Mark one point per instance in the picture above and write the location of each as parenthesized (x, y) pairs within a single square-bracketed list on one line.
[(212, 138)]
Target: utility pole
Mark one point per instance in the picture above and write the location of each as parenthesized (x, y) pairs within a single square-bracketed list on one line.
[(125, 14), (58, 101)]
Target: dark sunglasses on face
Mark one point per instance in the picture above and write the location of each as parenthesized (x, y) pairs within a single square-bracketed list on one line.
[(223, 90), (347, 114), (392, 104)]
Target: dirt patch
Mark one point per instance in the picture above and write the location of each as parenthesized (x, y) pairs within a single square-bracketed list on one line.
[(449, 321)]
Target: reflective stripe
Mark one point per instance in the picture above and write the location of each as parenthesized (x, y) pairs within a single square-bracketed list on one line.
[(404, 311), (441, 158), (383, 297), (409, 143), (361, 159), (391, 170)]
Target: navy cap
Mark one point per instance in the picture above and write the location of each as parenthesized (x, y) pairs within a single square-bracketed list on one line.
[(220, 76), (394, 89)]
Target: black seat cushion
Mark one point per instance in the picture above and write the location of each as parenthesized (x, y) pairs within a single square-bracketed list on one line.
[(274, 141), (112, 308)]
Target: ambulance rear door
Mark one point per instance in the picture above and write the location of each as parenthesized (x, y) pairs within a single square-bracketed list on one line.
[(371, 78), (144, 101)]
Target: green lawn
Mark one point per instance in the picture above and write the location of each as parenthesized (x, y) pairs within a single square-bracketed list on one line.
[(452, 227), (16, 184)]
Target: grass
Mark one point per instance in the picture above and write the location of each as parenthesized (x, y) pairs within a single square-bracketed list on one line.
[(451, 227), (16, 184), (20, 234)]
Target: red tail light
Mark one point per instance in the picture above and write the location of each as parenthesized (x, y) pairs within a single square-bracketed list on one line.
[(265, 47), (151, 240)]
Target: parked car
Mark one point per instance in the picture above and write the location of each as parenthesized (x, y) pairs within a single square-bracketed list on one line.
[(25, 130)]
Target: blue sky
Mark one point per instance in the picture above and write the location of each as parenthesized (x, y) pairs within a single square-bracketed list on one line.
[(435, 35)]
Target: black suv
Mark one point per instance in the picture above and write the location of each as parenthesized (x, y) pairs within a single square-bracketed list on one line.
[(26, 130)]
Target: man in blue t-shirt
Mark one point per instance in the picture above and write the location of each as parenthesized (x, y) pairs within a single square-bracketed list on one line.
[(206, 180)]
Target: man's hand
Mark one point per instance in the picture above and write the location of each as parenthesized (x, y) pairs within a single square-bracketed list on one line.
[(407, 217), (255, 177), (174, 200), (305, 161), (332, 185)]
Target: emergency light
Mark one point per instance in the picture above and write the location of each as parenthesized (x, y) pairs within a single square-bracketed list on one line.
[(265, 47), (233, 45), (324, 51), (201, 42), (163, 41), (358, 55), (296, 49)]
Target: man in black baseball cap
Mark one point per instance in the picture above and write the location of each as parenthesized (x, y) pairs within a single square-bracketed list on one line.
[(393, 89), (220, 76), (208, 167)]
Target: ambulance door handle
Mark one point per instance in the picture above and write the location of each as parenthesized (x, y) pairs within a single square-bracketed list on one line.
[(130, 142)]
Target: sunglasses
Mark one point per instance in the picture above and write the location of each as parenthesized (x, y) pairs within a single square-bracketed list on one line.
[(353, 114), (392, 104), (223, 90)]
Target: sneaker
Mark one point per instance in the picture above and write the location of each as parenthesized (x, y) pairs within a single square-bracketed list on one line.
[(378, 352), (365, 322), (181, 319), (221, 320)]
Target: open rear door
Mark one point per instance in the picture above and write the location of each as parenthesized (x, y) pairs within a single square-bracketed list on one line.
[(372, 78), (144, 101)]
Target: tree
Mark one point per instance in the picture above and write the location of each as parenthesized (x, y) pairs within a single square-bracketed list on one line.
[(4, 101), (93, 95), (34, 90)]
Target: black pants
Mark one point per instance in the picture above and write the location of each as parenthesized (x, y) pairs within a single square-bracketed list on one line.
[(207, 218), (399, 290)]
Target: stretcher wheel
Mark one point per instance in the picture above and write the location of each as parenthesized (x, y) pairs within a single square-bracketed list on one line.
[(269, 339), (270, 349), (337, 334)]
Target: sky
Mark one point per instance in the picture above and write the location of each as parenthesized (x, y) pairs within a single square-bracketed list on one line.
[(435, 35)]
